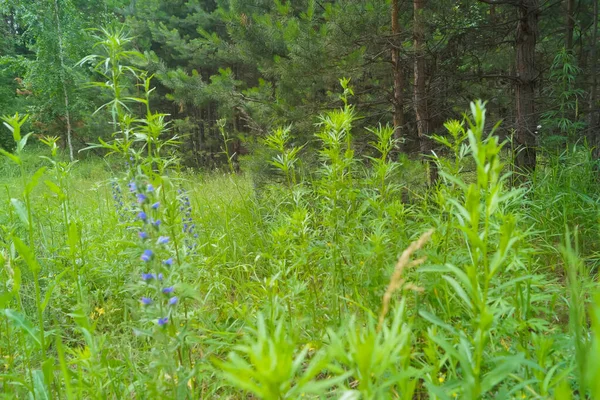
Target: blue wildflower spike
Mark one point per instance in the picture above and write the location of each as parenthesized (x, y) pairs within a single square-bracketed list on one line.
[(147, 277), (146, 301), (168, 290), (163, 321), (168, 261), (147, 255), (156, 205), (142, 215), (160, 277), (173, 300), (163, 240), (143, 235), (132, 187), (141, 198), (150, 188)]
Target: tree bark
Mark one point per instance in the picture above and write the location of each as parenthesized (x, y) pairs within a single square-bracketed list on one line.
[(61, 55), (526, 117), (569, 24), (420, 95), (398, 75), (593, 119)]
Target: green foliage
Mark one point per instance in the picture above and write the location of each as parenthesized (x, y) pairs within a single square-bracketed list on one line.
[(562, 121), (277, 295), (134, 278)]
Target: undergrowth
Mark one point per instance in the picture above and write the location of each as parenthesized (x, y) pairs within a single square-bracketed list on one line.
[(132, 279)]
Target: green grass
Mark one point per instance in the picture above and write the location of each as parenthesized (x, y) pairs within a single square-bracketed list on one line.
[(281, 292)]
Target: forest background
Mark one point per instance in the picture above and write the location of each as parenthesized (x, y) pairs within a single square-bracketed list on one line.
[(258, 65)]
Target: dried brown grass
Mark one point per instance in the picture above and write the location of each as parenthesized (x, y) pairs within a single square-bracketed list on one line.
[(397, 281)]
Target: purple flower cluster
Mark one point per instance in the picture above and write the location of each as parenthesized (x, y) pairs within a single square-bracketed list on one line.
[(189, 227), (117, 195), (156, 248)]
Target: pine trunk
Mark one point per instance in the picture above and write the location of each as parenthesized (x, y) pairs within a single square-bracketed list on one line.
[(398, 75), (420, 95), (594, 112), (569, 24), (526, 118)]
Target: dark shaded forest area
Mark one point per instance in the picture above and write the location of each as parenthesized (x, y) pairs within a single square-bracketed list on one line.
[(263, 64)]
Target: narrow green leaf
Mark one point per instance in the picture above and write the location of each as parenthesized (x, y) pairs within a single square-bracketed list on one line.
[(459, 291), (21, 322), (33, 181), (66, 373), (20, 210), (25, 252), (54, 188), (39, 385), (11, 156), (21, 144)]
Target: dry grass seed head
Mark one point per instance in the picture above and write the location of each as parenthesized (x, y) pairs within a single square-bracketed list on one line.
[(397, 282)]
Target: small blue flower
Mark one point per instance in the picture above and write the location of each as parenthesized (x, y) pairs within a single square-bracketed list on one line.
[(173, 300), (163, 240), (163, 321), (147, 255), (156, 205), (141, 198), (160, 277), (148, 277), (156, 223), (143, 235), (150, 188), (168, 290), (132, 186), (146, 301), (168, 262), (142, 215)]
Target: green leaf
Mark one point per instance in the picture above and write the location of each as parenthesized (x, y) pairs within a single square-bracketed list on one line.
[(27, 254), (54, 188), (21, 144), (50, 289), (498, 374), (5, 298), (73, 237), (563, 391), (21, 322), (11, 156), (436, 321), (459, 291), (20, 210), (39, 385), (66, 373), (33, 181), (136, 99)]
